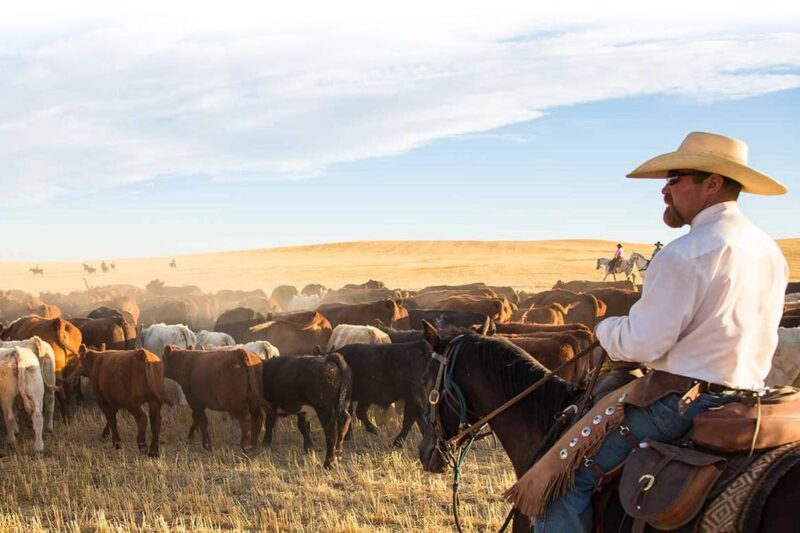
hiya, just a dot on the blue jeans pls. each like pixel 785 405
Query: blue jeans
pixel 659 421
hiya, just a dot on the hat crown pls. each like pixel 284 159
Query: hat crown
pixel 719 145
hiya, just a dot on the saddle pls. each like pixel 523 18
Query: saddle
pixel 667 485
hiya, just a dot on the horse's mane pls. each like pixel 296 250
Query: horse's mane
pixel 510 370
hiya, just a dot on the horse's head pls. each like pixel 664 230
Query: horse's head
pixel 442 411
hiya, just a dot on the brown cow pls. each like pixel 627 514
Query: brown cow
pixel 294 334
pixel 220 380
pixel 618 302
pixel 551 352
pixel 125 379
pixel 431 299
pixel 498 309
pixel 166 310
pixel 237 322
pixel 115 333
pixel 158 288
pixel 389 312
pixel 586 286
pixel 524 327
pixel 65 339
pixel 553 314
pixel 581 308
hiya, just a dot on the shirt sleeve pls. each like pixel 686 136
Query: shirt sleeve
pixel 672 293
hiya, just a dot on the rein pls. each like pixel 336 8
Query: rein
pixel 455 449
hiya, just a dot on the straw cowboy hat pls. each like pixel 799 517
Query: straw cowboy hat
pixel 712 153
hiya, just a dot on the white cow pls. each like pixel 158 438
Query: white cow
pixel 344 334
pixel 304 303
pixel 213 339
pixel 156 337
pixel 786 361
pixel 263 349
pixel 21 375
pixel 47 363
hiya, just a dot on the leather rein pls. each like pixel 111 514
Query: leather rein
pixel 446 391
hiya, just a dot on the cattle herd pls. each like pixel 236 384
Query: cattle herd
pixel 258 357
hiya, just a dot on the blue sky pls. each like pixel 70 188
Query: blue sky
pixel 123 139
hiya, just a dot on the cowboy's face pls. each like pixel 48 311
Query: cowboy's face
pixel 684 197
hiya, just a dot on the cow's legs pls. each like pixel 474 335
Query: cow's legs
pixel 305 429
pixel 8 416
pixel 329 422
pixel 245 420
pixel 141 426
pixel 49 405
pixel 62 401
pixel 37 421
pixel 410 415
pixel 269 426
pixel 363 415
pixel 111 423
pixel 256 417
pixel 199 415
pixel 155 427
pixel 343 429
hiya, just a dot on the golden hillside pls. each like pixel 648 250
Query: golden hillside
pixel 527 265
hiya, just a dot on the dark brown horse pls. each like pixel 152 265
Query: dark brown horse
pixel 488 371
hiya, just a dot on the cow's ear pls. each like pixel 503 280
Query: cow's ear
pixel 82 350
pixel 430 333
pixel 378 323
pixel 167 349
pixel 102 347
pixel 483 329
pixel 190 347
pixel 317 350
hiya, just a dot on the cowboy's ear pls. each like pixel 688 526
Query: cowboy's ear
pixel 713 184
pixel 430 333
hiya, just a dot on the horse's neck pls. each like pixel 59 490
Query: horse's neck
pixel 519 434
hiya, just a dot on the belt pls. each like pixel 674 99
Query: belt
pixel 712 388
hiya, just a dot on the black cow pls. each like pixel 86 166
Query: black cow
pixel 442 319
pixel 324 383
pixel 386 373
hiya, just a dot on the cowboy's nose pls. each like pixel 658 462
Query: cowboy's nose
pixel 665 188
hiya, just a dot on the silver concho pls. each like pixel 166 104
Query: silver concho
pixel 610 411
pixel 563 453
pixel 585 432
pixel 596 420
pixel 573 442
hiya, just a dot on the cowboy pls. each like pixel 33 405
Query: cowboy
pixel 709 310
pixel 657 249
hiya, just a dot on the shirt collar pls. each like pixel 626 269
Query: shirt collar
pixel 713 213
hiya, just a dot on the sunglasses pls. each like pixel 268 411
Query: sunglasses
pixel 674 176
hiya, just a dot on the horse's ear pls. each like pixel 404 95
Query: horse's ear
pixel 485 328
pixel 430 333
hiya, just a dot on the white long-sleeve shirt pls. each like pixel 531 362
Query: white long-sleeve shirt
pixel 710 306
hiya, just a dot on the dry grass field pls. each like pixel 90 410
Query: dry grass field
pixel 529 265
pixel 83 485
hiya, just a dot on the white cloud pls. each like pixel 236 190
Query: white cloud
pixel 93 98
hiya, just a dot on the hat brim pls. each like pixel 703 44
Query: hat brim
pixel 752 181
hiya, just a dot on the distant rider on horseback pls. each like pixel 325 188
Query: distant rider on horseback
pixel 708 314
pixel 657 249
pixel 619 257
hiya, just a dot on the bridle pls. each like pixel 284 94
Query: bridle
pixel 454 449
pixel 446 392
